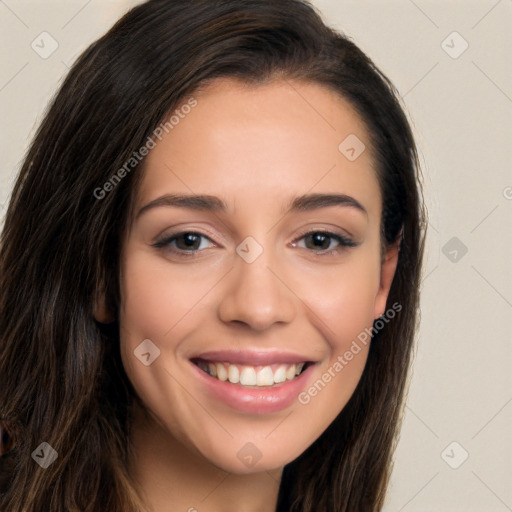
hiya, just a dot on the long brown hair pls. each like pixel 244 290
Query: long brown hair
pixel 61 377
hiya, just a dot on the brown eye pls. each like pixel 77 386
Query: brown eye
pixel 186 241
pixel 318 241
pixel 325 242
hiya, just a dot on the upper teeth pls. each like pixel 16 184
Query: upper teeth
pixel 251 375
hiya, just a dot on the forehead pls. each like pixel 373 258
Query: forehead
pixel 280 139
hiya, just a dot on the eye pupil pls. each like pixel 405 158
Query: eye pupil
pixel 189 239
pixel 320 239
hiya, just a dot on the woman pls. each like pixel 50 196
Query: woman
pixel 209 271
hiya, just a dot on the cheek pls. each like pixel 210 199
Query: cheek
pixel 161 302
pixel 347 328
pixel 151 318
pixel 343 306
pixel 157 295
pixel 344 299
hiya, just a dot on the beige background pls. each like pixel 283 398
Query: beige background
pixel 461 107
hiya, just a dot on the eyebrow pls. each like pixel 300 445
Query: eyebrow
pixel 214 204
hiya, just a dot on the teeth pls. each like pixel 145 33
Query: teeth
pixel 250 375
pixel 233 374
pixel 222 373
pixel 265 377
pixel 280 375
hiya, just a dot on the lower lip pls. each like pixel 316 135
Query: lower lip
pixel 255 401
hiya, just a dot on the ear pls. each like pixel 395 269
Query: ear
pixel 387 272
pixel 101 312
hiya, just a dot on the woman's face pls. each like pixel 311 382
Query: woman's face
pixel 241 282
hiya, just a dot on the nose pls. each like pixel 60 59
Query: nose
pixel 257 295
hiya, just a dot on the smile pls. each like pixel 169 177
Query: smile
pixel 252 376
pixel 252 381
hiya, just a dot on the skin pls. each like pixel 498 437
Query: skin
pixel 256 148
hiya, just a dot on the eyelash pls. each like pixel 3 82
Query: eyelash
pixel 343 243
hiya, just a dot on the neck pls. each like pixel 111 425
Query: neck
pixel 173 478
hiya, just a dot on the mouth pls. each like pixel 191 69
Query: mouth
pixel 253 381
pixel 252 376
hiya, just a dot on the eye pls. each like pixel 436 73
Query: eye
pixel 185 242
pixel 190 243
pixel 325 242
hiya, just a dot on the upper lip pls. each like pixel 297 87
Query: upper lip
pixel 252 357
